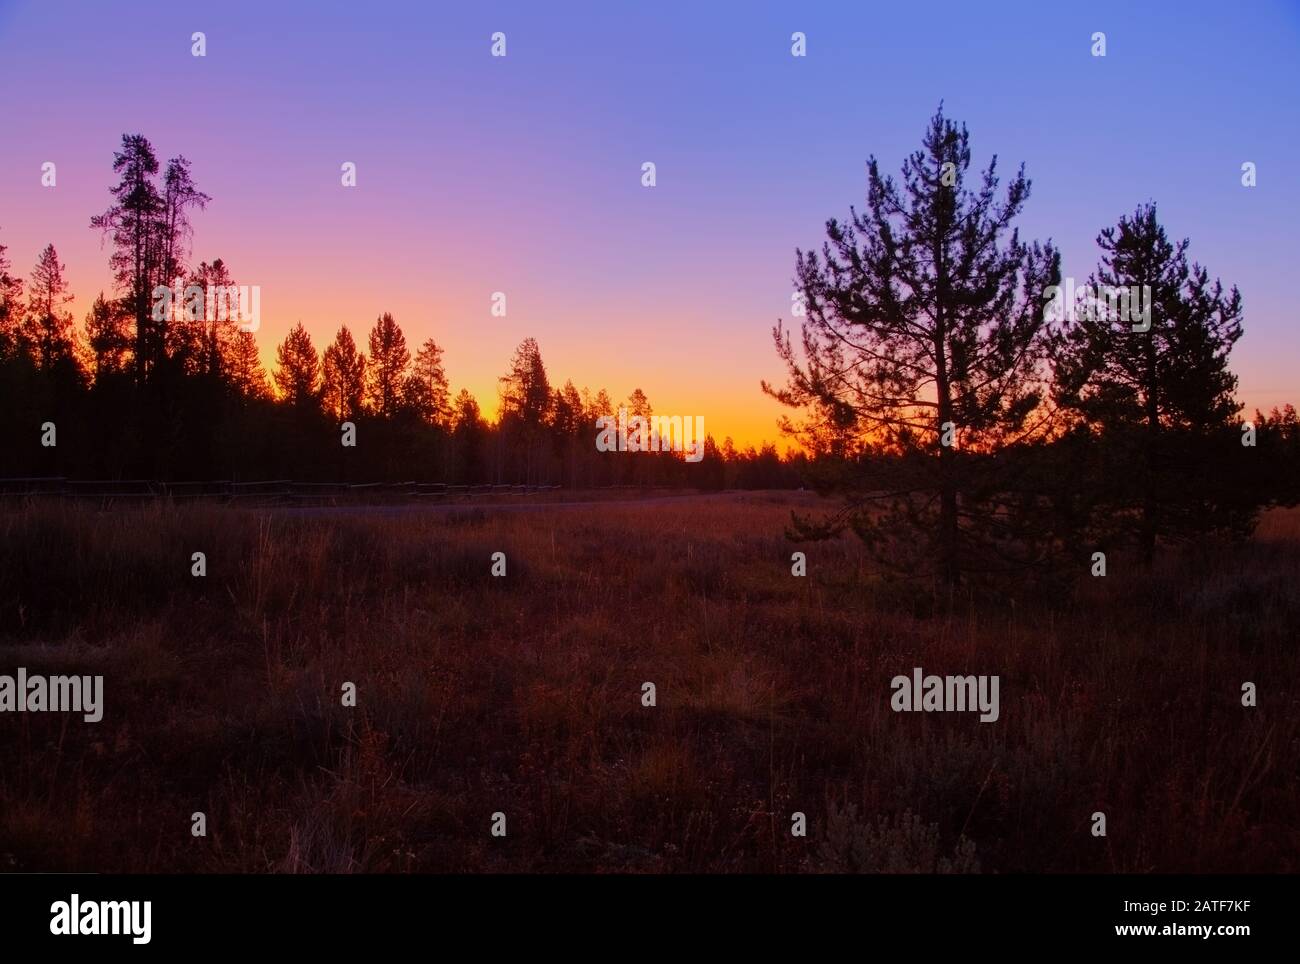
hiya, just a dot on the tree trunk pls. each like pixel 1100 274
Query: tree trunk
pixel 949 565
pixel 1150 506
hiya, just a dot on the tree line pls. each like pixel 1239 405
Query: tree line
pixel 969 429
pixel 141 393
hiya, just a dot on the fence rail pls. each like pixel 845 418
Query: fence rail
pixel 273 491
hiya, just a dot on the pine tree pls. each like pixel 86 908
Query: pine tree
pixel 243 366
pixel 11 307
pixel 425 392
pixel 638 404
pixel 567 411
pixel 343 377
pixel 386 367
pixel 468 432
pixel 297 373
pixel 599 406
pixel 209 341
pixel 923 351
pixel 1157 389
pixel 133 223
pixel 107 337
pixel 525 390
pixel 524 414
pixel 47 331
pixel 178 196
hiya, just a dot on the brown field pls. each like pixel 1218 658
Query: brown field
pixel 523 695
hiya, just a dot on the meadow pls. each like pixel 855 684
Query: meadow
pixel 522 695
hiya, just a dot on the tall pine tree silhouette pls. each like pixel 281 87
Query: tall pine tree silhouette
pixel 922 356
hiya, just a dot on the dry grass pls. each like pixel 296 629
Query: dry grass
pixel 522 695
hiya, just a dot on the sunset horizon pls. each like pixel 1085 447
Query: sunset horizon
pixel 459 461
pixel 474 175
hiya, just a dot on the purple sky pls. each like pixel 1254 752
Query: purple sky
pixel 522 174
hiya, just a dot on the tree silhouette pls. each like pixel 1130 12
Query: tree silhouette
pixel 47 330
pixel 468 435
pixel 344 377
pixel 425 392
pixel 524 415
pixel 11 308
pixel 601 405
pixel 386 366
pixel 525 390
pixel 297 373
pixel 213 339
pixel 178 196
pixel 133 223
pixel 567 411
pixel 638 404
pixel 924 335
pixel 922 312
pixel 107 337
pixel 243 366
pixel 1161 398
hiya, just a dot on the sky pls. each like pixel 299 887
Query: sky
pixel 522 174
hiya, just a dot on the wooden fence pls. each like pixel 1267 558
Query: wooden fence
pixel 272 492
